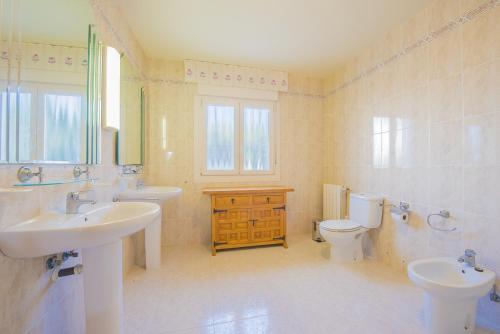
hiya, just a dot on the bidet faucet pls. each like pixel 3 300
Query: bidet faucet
pixel 469 258
pixel 73 202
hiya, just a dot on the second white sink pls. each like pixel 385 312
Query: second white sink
pixel 151 193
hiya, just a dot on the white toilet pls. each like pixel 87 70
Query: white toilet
pixel 345 235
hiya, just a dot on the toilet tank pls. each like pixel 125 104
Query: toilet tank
pixel 366 209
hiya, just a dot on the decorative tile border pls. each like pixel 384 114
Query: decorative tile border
pixel 234 75
pixel 165 81
pixel 452 25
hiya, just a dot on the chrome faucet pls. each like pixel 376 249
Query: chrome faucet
pixel 469 258
pixel 73 202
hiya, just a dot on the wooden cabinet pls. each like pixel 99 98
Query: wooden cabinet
pixel 243 217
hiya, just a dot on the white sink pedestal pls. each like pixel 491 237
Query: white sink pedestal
pixel 152 244
pixel 103 288
pixel 152 232
pixel 444 316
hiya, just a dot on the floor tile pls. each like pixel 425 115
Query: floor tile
pixel 269 290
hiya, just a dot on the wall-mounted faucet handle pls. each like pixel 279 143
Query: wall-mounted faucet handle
pixel 77 171
pixel 25 173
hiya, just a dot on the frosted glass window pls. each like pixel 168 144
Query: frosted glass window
pixel 220 127
pixel 24 107
pixel 25 129
pixel 62 127
pixel 3 127
pixel 256 139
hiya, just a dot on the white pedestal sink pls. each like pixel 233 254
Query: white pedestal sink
pixel 155 194
pixel 452 290
pixel 98 232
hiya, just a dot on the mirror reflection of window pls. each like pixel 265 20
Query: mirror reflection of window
pixel 46 117
pixel 63 125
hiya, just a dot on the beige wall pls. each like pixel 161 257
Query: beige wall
pixel 442 100
pixel 187 218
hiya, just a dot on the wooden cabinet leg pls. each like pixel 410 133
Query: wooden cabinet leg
pixel 285 244
pixel 214 251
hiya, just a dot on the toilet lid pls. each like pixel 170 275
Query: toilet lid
pixel 342 225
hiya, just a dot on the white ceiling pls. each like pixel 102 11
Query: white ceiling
pixel 304 36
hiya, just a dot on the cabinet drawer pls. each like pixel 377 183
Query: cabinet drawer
pixel 268 199
pixel 230 201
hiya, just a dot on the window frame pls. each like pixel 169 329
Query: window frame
pixel 201 174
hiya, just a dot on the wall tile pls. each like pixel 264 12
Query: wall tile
pixel 482 88
pixel 446 143
pixel 481 190
pixel 481 138
pixel 480 38
pixel 441 12
pixel 446 187
pixel 445 55
pixel 445 99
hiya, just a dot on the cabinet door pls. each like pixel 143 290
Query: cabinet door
pixel 232 226
pixel 267 224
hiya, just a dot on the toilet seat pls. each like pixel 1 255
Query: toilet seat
pixel 341 225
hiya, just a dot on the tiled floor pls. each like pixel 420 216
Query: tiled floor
pixel 269 290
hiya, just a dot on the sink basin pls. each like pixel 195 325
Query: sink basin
pixel 55 232
pixel 150 193
pixel 452 290
pixel 448 278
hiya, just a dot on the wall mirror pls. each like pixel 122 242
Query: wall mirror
pixel 49 81
pixel 130 140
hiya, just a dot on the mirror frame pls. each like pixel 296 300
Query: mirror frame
pixel 143 132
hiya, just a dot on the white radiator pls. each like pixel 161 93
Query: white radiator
pixel 334 201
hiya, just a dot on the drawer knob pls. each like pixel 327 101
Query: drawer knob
pixel 268 200
pixel 232 200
